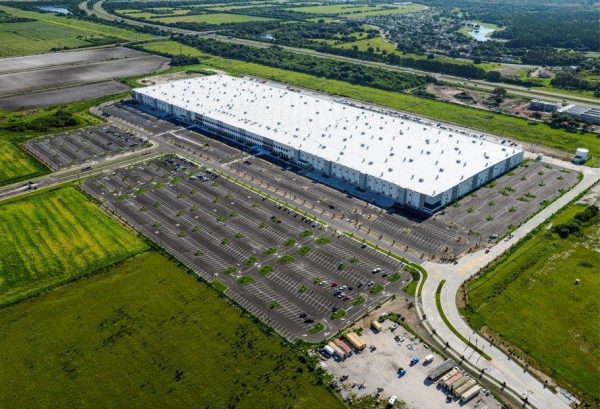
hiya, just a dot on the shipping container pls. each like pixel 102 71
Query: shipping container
pixel 449 382
pixel 356 341
pixel 470 394
pixel 457 384
pixel 376 326
pixel 465 387
pixel 450 374
pixel 337 350
pixel 343 346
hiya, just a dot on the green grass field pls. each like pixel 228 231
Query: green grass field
pixel 145 334
pixel 530 298
pixel 51 237
pixel 498 124
pixel 215 18
pixel 51 31
pixel 358 11
pixel 17 164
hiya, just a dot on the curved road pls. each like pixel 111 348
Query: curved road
pixel 99 11
pixel 500 367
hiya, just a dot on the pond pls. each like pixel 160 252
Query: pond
pixel 55 9
pixel 481 33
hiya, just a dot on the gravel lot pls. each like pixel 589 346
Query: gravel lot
pixel 379 369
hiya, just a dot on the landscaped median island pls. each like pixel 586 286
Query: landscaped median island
pixel 144 334
pixel 539 301
pixel 415 287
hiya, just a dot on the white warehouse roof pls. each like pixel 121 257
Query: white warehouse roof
pixel 411 155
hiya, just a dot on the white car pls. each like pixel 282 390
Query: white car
pixel 392 400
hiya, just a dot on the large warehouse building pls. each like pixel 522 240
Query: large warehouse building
pixel 420 166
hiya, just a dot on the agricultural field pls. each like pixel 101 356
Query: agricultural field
pixel 53 32
pixel 529 298
pixel 358 11
pixel 52 237
pixel 485 121
pixel 146 334
pixel 214 18
pixel 16 164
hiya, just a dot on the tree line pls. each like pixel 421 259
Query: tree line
pixel 322 67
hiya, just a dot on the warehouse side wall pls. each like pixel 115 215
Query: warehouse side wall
pixel 402 196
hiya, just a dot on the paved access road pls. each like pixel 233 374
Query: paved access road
pixel 500 367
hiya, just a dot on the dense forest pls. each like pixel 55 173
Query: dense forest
pixel 545 23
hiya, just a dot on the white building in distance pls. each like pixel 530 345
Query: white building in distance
pixel 423 167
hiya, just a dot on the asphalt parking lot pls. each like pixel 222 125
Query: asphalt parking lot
pixel 369 370
pixel 83 145
pixel 495 209
pixel 288 270
pixel 470 223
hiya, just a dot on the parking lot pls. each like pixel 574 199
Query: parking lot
pixel 492 210
pixel 470 223
pixel 83 145
pixel 377 371
pixel 301 278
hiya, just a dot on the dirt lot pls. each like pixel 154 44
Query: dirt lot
pixel 61 96
pixel 379 369
pixel 66 58
pixel 56 77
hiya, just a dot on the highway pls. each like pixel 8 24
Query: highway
pixel 516 90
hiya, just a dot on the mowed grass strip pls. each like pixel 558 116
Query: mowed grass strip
pixel 530 298
pixel 50 238
pixel 145 334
